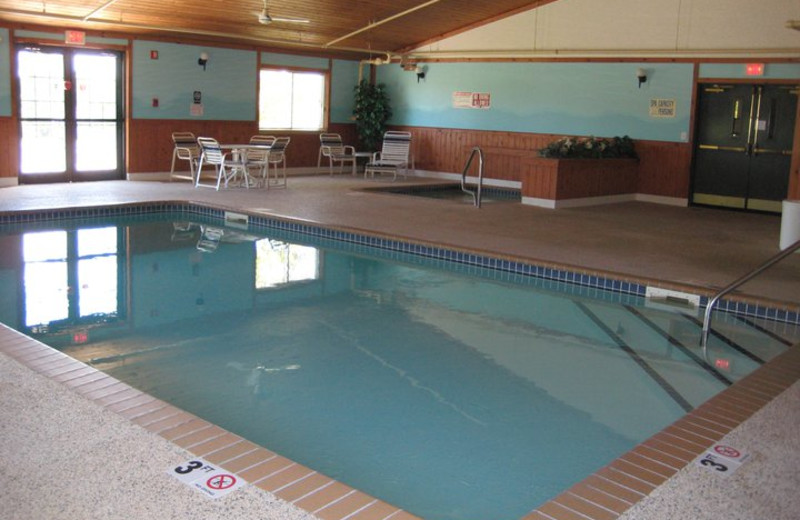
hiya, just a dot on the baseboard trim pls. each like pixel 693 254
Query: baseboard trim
pixel 609 199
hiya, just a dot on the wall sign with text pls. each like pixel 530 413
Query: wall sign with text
pixel 662 108
pixel 479 100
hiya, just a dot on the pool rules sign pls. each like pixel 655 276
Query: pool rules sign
pixel 203 476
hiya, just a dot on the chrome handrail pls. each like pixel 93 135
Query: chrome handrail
pixel 476 195
pixel 749 276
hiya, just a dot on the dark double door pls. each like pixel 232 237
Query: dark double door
pixel 743 145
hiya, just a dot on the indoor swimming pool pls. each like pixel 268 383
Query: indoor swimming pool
pixel 453 391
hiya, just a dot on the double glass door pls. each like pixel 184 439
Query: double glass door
pixel 71 115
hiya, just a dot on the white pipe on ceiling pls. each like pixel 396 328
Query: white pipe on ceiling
pixel 99 9
pixel 372 25
pixel 376 61
pixel 603 53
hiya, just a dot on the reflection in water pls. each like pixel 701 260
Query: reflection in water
pixel 279 263
pixel 70 275
pixel 253 380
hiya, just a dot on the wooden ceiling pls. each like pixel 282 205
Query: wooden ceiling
pixel 334 26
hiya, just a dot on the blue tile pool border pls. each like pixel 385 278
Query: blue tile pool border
pixel 520 268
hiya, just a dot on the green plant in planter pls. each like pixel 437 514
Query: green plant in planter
pixel 590 148
pixel 371 112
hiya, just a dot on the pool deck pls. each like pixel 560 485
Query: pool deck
pixel 65 456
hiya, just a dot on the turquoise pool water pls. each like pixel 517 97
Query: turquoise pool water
pixel 453 392
pixel 453 192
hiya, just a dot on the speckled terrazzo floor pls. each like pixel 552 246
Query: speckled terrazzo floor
pixel 44 423
pixel 64 457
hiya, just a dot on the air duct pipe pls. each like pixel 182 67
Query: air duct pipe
pixel 374 61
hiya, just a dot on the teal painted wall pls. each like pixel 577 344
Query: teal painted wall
pixel 5 74
pixel 344 77
pixel 561 98
pixel 290 60
pixel 228 85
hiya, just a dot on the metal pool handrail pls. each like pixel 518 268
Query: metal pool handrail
pixel 749 276
pixel 476 195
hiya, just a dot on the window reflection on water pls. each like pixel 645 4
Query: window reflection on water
pixel 73 280
pixel 279 263
pixel 70 275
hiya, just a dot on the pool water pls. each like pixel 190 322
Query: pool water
pixel 453 192
pixel 452 395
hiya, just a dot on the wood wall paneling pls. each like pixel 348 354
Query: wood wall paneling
pixel 664 167
pixel 9 147
pixel 560 179
pixel 151 141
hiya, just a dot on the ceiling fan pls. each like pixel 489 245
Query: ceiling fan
pixel 264 17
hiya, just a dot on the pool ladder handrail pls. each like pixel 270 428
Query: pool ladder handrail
pixel 733 285
pixel 476 195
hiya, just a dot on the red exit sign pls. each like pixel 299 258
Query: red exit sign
pixel 75 37
pixel 754 69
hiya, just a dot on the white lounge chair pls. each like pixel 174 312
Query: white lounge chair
pixel 257 158
pixel 277 157
pixel 185 149
pixel 393 157
pixel 331 146
pixel 227 165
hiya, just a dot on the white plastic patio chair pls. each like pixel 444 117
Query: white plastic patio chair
pixel 331 146
pixel 227 165
pixel 257 158
pixel 393 157
pixel 185 149
pixel 276 158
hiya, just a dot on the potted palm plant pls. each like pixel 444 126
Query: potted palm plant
pixel 371 112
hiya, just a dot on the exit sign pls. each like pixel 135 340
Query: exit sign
pixel 754 69
pixel 75 37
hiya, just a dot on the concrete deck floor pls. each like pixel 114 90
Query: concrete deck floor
pixel 66 459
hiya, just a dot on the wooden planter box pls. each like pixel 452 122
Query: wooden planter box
pixel 545 182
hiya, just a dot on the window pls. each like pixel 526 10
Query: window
pixel 291 100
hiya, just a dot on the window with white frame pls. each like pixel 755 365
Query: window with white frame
pixel 291 100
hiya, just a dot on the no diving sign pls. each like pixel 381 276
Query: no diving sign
pixel 722 459
pixel 206 478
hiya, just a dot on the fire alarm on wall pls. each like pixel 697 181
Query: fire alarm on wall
pixel 153 55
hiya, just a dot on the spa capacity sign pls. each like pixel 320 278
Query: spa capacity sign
pixel 662 108
pixel 479 100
